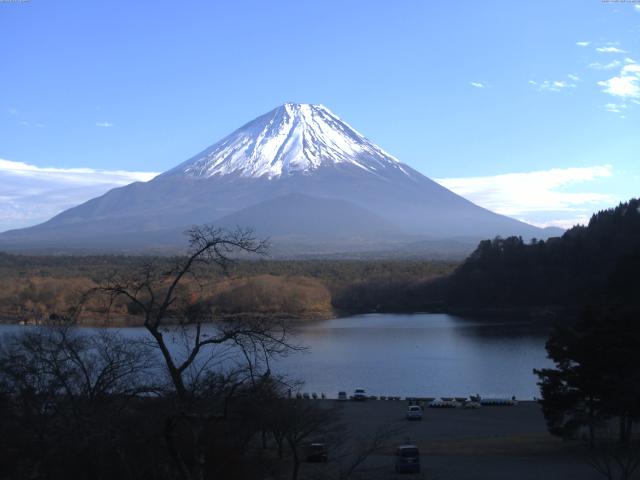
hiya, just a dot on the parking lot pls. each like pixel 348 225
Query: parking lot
pixel 499 442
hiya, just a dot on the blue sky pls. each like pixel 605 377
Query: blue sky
pixel 528 108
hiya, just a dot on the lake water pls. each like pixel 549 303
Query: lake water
pixel 421 355
pixel 413 355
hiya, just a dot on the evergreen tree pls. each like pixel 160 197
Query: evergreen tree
pixel 597 375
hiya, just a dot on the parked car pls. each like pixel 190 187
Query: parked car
pixel 407 459
pixel 359 394
pixel 317 452
pixel 342 396
pixel 499 401
pixel 442 403
pixel 414 412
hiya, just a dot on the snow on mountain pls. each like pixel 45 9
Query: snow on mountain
pixel 291 139
pixel 297 174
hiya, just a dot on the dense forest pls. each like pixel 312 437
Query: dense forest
pixel 591 265
pixel 32 288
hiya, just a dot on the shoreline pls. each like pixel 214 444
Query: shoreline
pixel 138 321
pixel 542 314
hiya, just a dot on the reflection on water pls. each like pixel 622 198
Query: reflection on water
pixel 419 354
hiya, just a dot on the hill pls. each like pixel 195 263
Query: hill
pixel 592 265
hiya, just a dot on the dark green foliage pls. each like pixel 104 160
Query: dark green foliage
pixel 597 374
pixel 593 265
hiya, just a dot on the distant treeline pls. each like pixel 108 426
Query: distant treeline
pixel 587 266
pixel 594 265
pixel 36 287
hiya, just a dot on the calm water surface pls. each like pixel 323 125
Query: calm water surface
pixel 420 354
pixel 417 354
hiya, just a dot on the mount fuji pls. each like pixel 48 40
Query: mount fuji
pixel 298 174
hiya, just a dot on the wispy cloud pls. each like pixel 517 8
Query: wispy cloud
pixel 104 124
pixel 615 107
pixel 537 197
pixel 583 44
pixel 605 66
pixel 555 85
pixel 31 194
pixel 610 50
pixel 477 84
pixel 637 8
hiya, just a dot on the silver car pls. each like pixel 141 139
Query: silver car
pixel 414 412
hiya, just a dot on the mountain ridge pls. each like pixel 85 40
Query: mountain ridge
pixel 293 149
pixel 292 138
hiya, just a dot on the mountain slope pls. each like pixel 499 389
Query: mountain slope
pixel 310 218
pixel 292 139
pixel 294 149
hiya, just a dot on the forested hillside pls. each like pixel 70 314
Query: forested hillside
pixel 593 265
pixel 32 288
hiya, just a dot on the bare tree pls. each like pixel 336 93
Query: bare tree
pixel 298 421
pixel 63 388
pixel 177 326
pixel 363 447
pixel 161 297
pixel 613 460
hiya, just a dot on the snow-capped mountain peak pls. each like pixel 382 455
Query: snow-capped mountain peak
pixel 291 139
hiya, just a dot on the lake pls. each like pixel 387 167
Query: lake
pixel 421 355
pixel 413 355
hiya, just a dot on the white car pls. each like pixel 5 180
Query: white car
pixel 359 394
pixel 342 396
pixel 414 412
pixel 440 403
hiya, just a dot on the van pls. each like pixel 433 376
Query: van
pixel 317 452
pixel 407 459
pixel 359 394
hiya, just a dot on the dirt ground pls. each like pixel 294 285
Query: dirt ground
pixel 497 443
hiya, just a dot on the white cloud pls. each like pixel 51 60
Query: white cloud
pixel 583 44
pixel 622 86
pixel 104 124
pixel 555 85
pixel 615 107
pixel 537 197
pixel 625 86
pixel 637 7
pixel 632 68
pixel 605 66
pixel 31 194
pixel 610 50
pixel 477 84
